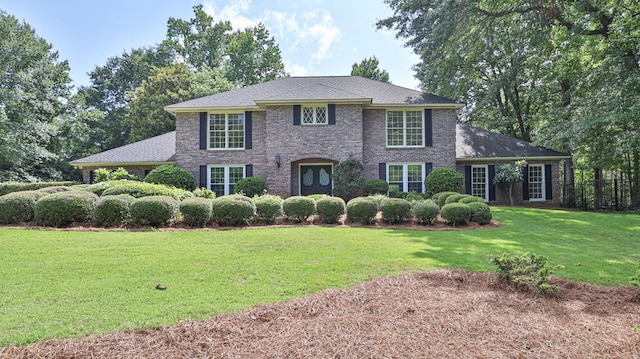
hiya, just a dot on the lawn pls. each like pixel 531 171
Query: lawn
pixel 70 283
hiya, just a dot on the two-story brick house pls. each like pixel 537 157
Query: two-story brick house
pixel 292 131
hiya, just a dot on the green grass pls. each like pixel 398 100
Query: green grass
pixel 58 284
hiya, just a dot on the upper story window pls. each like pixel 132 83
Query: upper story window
pixel 226 131
pixel 405 128
pixel 314 115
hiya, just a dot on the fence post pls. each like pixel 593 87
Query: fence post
pixel 615 192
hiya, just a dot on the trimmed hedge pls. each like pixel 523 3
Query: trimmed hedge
pixel 172 176
pixel 376 186
pixel 362 210
pixel 268 207
pixel 63 208
pixel 234 210
pixel 395 210
pixel 143 189
pixel 153 210
pixel 18 207
pixel 425 211
pixel 250 186
pixel 480 212
pixel 441 197
pixel 443 179
pixel 10 187
pixel 455 198
pixel 299 208
pixel 330 209
pixel 112 210
pixel 455 213
pixel 470 199
pixel 196 212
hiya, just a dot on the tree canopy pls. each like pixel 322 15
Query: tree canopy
pixel 369 68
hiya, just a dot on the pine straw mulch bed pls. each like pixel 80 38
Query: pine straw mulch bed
pixel 439 314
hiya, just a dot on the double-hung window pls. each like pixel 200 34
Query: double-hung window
pixel 226 131
pixel 536 183
pixel 405 128
pixel 314 115
pixel 405 177
pixel 479 182
pixel 223 178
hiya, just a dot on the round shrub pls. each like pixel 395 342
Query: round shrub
pixel 425 211
pixel 470 199
pixel 232 210
pixel 204 193
pixel 142 189
pixel 63 208
pixel 441 197
pixel 362 210
pixel 443 179
pixel 196 212
pixel 330 209
pixel 250 186
pixel 455 213
pixel 299 208
pixel 376 186
pixel 55 189
pixel 18 207
pixel 112 210
pixel 153 210
pixel 410 196
pixel 171 176
pixel 268 207
pixel 395 210
pixel 378 198
pixel 480 212
pixel 455 198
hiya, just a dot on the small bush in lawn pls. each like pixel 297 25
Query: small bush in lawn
pixel 196 212
pixel 480 212
pixel 330 209
pixel 527 272
pixel 204 193
pixel 142 189
pixel 378 198
pixel 172 176
pixel 112 210
pixel 153 210
pixel 376 186
pixel 63 208
pixel 233 210
pixel 268 207
pixel 425 211
pixel 470 199
pixel 395 210
pixel 455 198
pixel 455 213
pixel 18 207
pixel 441 197
pixel 362 210
pixel 250 186
pixel 443 179
pixel 299 208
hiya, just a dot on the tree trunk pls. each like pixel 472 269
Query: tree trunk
pixel 511 194
pixel 634 180
pixel 597 189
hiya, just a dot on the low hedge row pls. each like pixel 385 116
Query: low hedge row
pixel 61 209
pixel 10 187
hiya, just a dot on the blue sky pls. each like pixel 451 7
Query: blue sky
pixel 316 37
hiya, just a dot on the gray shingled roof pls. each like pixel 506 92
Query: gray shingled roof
pixel 315 88
pixel 473 142
pixel 152 150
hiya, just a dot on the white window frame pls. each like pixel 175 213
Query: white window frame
pixel 405 174
pixel 226 131
pixel 541 183
pixel 314 108
pixel 404 127
pixel 227 184
pixel 485 196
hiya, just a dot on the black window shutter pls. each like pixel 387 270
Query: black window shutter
pixel 428 166
pixel 525 183
pixel 204 128
pixel 203 177
pixel 548 189
pixel 332 114
pixel 467 179
pixel 248 170
pixel 492 186
pixel 248 130
pixel 428 130
pixel 297 114
pixel 382 171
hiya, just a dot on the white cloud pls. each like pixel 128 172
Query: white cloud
pixel 295 69
pixel 233 12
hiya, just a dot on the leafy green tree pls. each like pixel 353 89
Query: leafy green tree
pixel 369 68
pixel 509 174
pixel 348 179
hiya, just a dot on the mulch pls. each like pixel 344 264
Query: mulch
pixel 438 314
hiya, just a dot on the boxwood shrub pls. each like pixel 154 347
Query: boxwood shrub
pixel 330 209
pixel 196 212
pixel 171 176
pixel 425 211
pixel 443 179
pixel 18 207
pixel 153 210
pixel 469 199
pixel 362 210
pixel 233 210
pixel 455 198
pixel 250 186
pixel 480 212
pixel 112 210
pixel 455 213
pixel 142 189
pixel 441 197
pixel 299 208
pixel 376 186
pixel 55 189
pixel 268 207
pixel 63 208
pixel 9 187
pixel 395 210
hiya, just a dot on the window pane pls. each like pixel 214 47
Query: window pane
pixel 235 174
pixel 414 173
pixel 414 128
pixel 217 131
pixel 321 115
pixel 479 181
pixel 395 135
pixel 307 115
pixel 535 182
pixel 395 178
pixel 217 180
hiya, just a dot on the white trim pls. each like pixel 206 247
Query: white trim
pixel 226 131
pixel 405 173
pixel 404 127
pixel 315 118
pixel 543 193
pixel 312 164
pixel 486 180
pixel 226 175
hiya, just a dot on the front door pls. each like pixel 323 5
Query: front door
pixel 315 179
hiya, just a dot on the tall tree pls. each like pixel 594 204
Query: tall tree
pixel 369 68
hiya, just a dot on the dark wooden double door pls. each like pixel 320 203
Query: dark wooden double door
pixel 315 179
